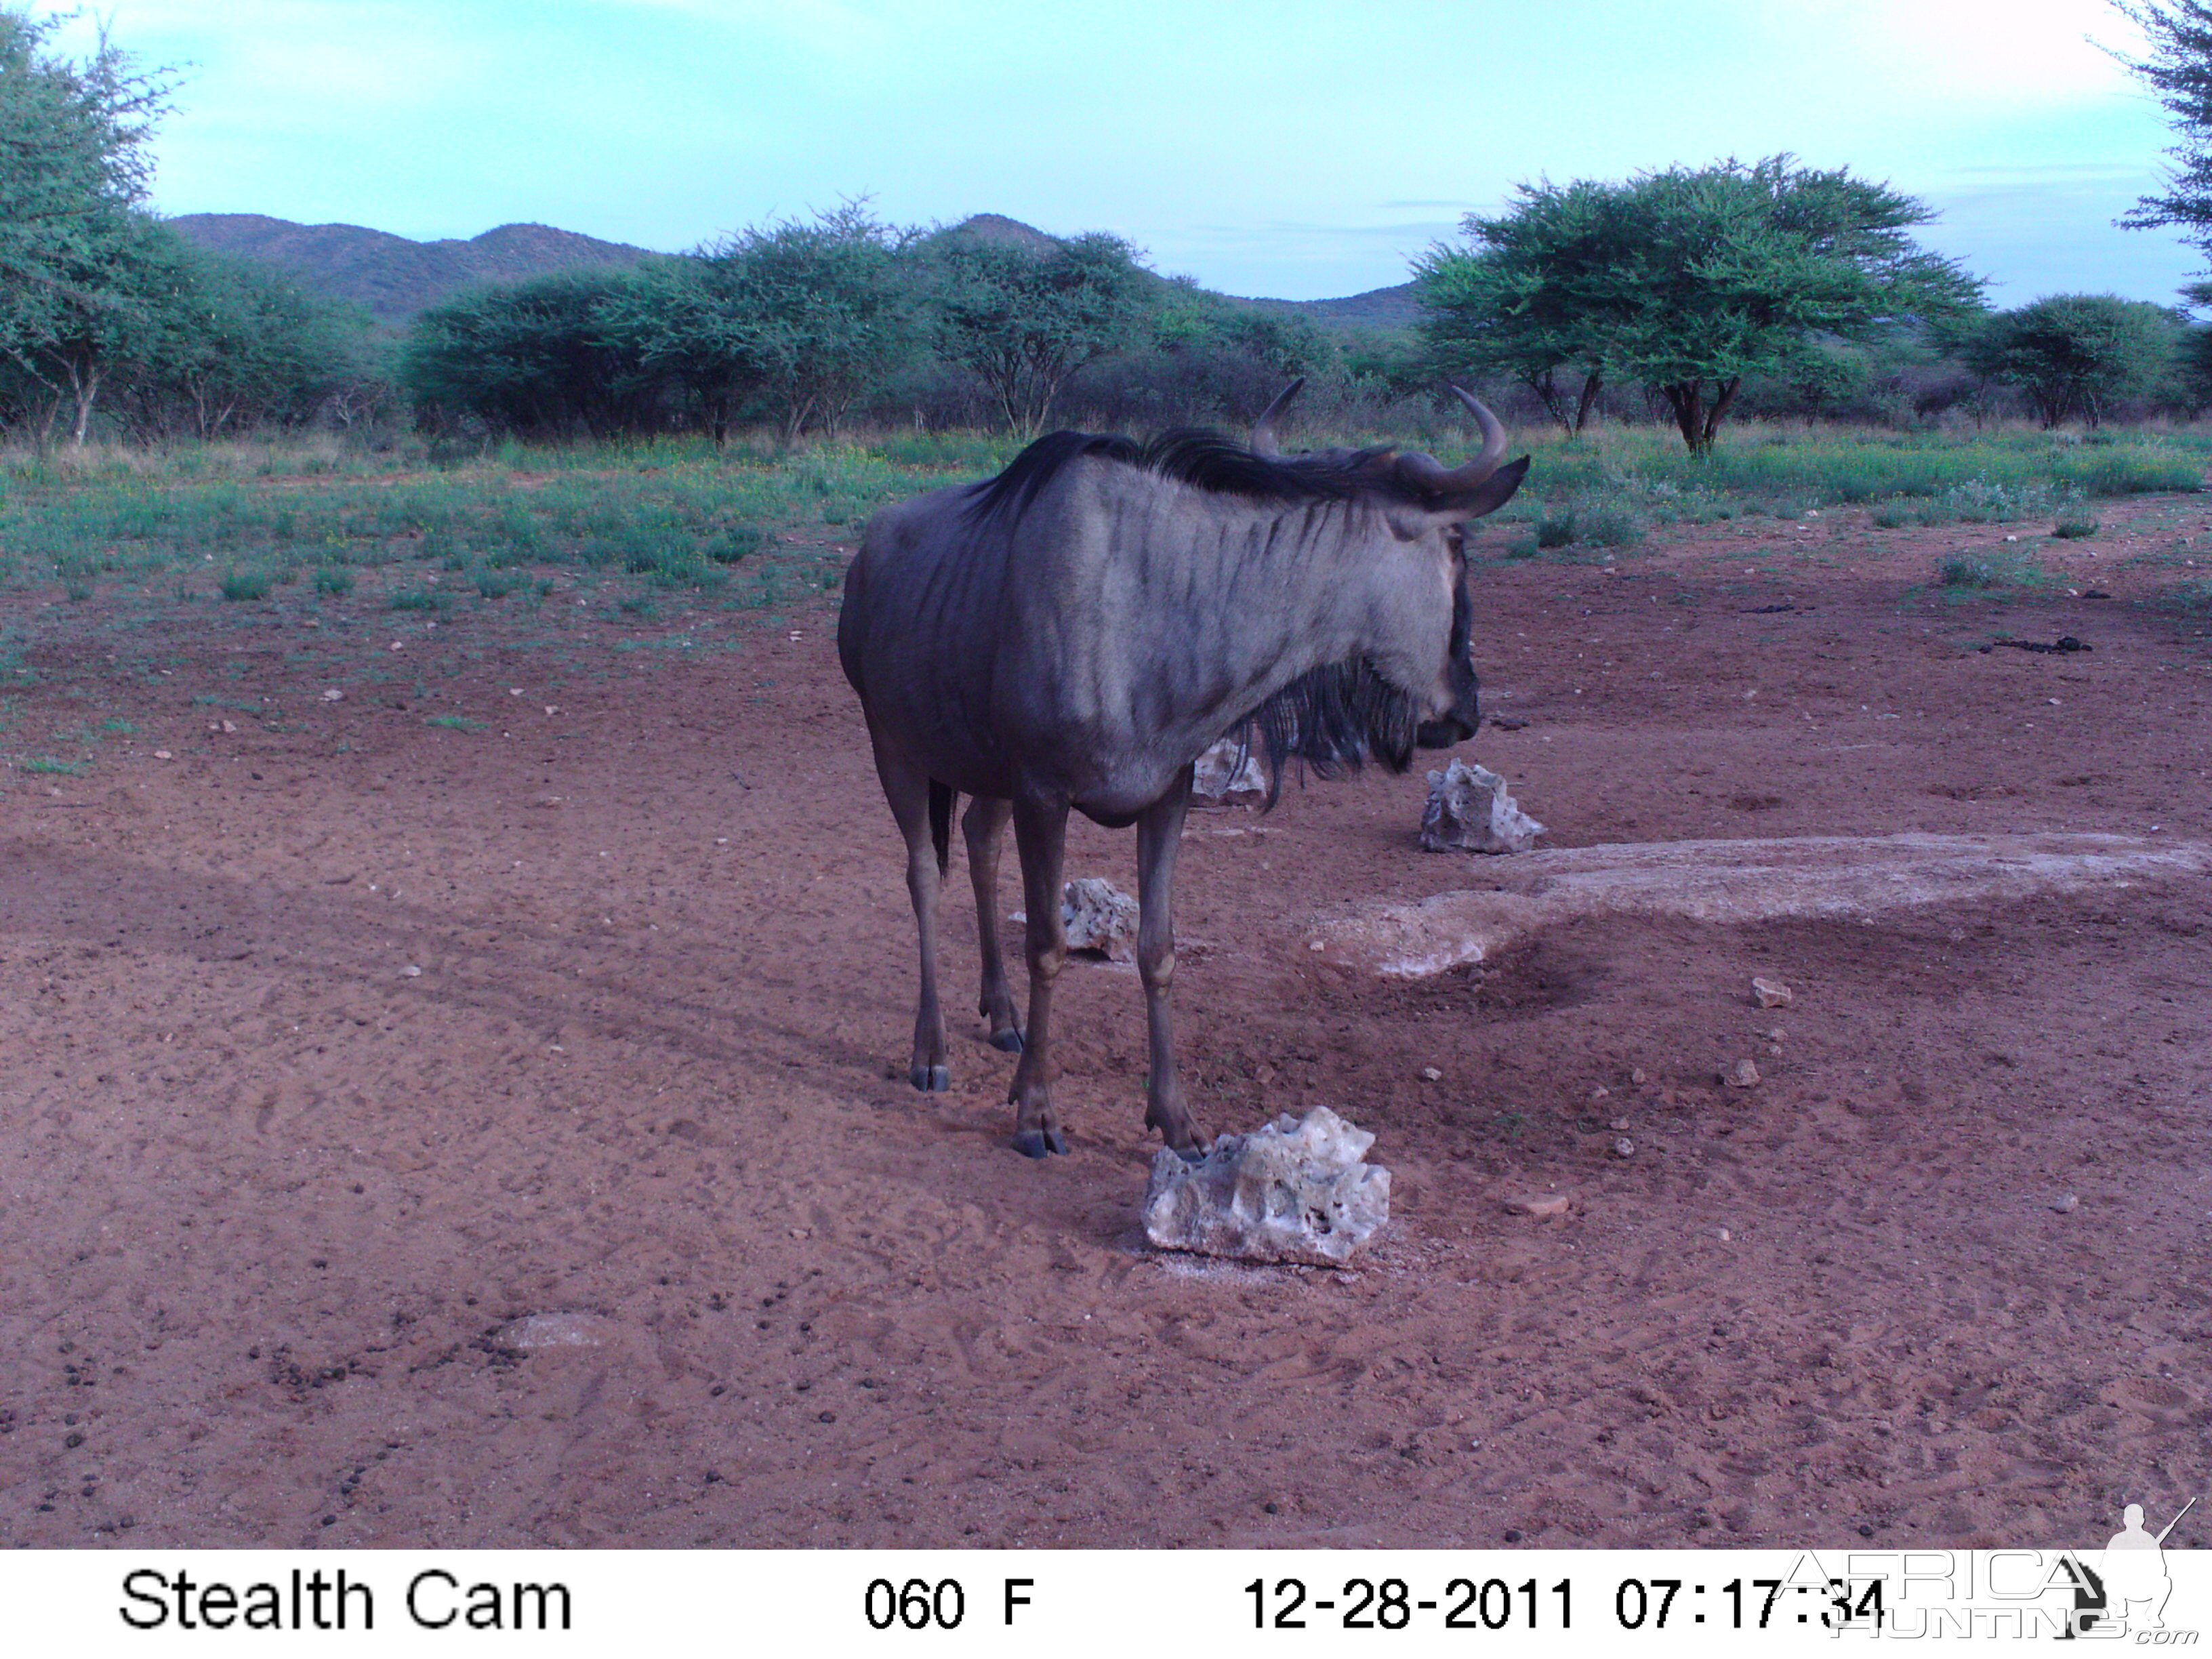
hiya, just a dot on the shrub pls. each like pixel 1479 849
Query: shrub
pixel 1991 569
pixel 333 579
pixel 245 584
pixel 2074 526
pixel 1608 526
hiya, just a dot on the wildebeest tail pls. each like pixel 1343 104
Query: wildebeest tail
pixel 941 796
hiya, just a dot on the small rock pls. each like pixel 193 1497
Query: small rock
pixel 1770 994
pixel 1619 1123
pixel 554 1330
pixel 1774 1050
pixel 1638 1077
pixel 163 754
pixel 1099 916
pixel 1599 1092
pixel 229 729
pixel 1430 1074
pixel 1743 1075
pixel 334 696
pixel 1546 1207
pixel 1723 1235
pixel 1468 810
pixel 410 971
pixel 1624 1147
pixel 2067 1205
pixel 1294 1191
pixel 1230 773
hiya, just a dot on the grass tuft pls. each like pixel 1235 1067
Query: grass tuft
pixel 245 584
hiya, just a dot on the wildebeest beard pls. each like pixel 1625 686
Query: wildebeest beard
pixel 1332 718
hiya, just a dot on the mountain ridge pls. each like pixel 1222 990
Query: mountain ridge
pixel 393 277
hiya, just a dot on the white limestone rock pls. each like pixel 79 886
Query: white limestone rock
pixel 1099 916
pixel 1294 1191
pixel 555 1330
pixel 1469 811
pixel 1230 773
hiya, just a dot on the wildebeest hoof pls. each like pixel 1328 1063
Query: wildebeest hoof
pixel 929 1080
pixel 1193 1153
pixel 1008 1042
pixel 1039 1143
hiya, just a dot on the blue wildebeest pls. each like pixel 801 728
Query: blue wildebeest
pixel 1076 631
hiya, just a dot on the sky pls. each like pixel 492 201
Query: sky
pixel 1265 147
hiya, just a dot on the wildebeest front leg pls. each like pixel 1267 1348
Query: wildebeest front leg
pixel 1039 836
pixel 1159 834
pixel 906 786
pixel 981 825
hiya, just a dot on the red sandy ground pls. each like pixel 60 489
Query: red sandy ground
pixel 265 1197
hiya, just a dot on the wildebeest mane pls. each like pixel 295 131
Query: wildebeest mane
pixel 1334 719
pixel 1205 460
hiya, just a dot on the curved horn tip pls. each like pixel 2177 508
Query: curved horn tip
pixel 1263 430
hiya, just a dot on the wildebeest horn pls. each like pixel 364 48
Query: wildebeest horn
pixel 1263 430
pixel 1432 475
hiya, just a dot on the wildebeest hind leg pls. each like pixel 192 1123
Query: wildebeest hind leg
pixel 906 786
pixel 1039 836
pixel 1159 833
pixel 982 824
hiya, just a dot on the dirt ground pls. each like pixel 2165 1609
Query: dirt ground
pixel 338 1039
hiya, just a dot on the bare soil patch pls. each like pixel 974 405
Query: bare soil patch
pixel 563 967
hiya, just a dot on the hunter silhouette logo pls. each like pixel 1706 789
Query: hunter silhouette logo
pixel 2127 1590
pixel 2135 1570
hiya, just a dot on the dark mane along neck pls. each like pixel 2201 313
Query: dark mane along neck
pixel 1204 460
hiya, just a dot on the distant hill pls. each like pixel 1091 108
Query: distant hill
pixel 389 276
pixel 1379 307
pixel 394 278
pixel 997 228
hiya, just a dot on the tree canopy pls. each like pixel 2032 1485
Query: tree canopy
pixel 1023 320
pixel 2077 354
pixel 74 245
pixel 1683 281
pixel 2179 70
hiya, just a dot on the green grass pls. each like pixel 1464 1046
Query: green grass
pixel 48 764
pixel 245 584
pixel 456 723
pixel 750 530
pixel 1992 569
pixel 1920 476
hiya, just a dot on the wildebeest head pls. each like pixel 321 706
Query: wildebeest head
pixel 1431 686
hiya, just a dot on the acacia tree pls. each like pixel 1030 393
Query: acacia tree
pixel 2077 353
pixel 1023 320
pixel 800 317
pixel 1520 301
pixel 535 356
pixel 1684 281
pixel 2178 70
pixel 74 247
